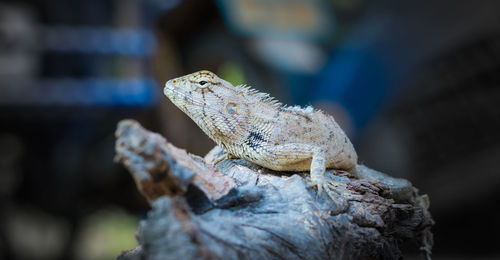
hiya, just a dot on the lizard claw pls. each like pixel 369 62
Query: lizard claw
pixel 220 159
pixel 223 157
pixel 323 184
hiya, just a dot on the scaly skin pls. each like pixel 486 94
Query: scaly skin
pixel 253 126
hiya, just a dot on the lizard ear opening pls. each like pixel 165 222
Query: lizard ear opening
pixel 232 108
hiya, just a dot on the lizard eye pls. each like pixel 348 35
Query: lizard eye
pixel 232 108
pixel 202 82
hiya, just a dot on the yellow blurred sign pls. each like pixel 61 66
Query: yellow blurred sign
pixel 310 19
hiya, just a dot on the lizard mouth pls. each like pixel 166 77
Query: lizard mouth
pixel 178 97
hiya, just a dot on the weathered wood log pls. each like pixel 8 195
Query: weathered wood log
pixel 239 210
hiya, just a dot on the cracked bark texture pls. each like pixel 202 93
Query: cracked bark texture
pixel 239 210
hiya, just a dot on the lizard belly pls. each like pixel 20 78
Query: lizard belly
pixel 304 165
pixel 340 162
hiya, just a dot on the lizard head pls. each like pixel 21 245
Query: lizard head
pixel 214 104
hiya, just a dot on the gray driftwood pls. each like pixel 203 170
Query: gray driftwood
pixel 239 210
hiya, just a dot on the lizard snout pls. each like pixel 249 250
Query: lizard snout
pixel 168 87
pixel 170 82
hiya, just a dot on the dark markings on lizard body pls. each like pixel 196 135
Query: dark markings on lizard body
pixel 308 119
pixel 255 141
pixel 331 135
pixel 257 137
pixel 204 105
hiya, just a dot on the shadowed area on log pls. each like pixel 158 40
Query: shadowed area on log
pixel 239 210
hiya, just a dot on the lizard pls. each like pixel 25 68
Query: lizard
pixel 252 125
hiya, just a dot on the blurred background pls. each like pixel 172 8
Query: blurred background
pixel 415 85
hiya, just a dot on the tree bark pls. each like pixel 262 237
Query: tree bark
pixel 239 210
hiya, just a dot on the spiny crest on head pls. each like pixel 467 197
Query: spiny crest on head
pixel 260 96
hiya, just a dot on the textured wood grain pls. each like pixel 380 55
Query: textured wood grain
pixel 239 210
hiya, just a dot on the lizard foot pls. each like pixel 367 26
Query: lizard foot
pixel 324 184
